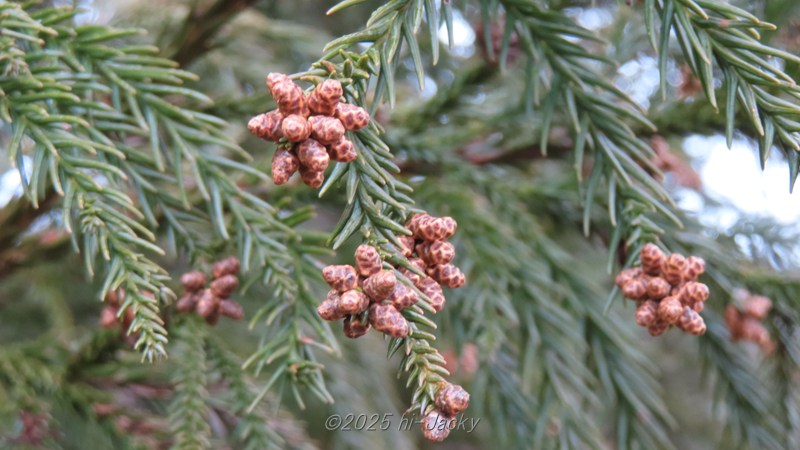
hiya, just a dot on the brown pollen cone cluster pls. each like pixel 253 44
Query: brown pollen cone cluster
pixel 310 127
pixel 666 291
pixel 214 300
pixel 747 322
pixel 450 401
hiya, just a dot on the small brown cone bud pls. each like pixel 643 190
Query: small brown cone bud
pixel 380 285
pixel 231 309
pixel 311 178
pixel 295 128
pixel 267 126
pixel 753 330
pixel 635 289
pixel 436 426
pixel 672 269
pixel 691 322
pixel 436 229
pixel 284 165
pixel 407 245
pixel 388 320
pixel 441 252
pixel 208 304
pixel 403 297
pixel 670 310
pixel 652 258
pixel 329 91
pixel 352 117
pixel 694 268
pixel 313 155
pixel 368 260
pixel 354 327
pixel 224 286
pixel 187 303
pixel 734 319
pixel 657 328
pixel 273 79
pixel 113 298
pixel 193 281
pixel 433 291
pixel 414 222
pixel 326 129
pixel 352 302
pixel 413 277
pixel 318 106
pixel 627 275
pixel 227 266
pixel 108 317
pixel 694 292
pixel 757 306
pixel 448 275
pixel 342 150
pixel 698 307
pixel 452 400
pixel 658 288
pixel 646 313
pixel 341 278
pixel 328 308
pixel 290 98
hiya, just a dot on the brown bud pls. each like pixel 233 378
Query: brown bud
pixel 341 278
pixel 694 268
pixel 326 129
pixel 414 222
pixel 380 285
pixel 657 328
pixel 108 317
pixel 403 297
pixel 433 291
pixel 407 245
pixel 652 258
pixel 342 150
pixel 626 275
pixel 274 78
pixel 187 303
pixel 670 310
pixel 311 178
pixel 352 302
pixel 698 307
pixel 208 304
pixel 734 320
pixel 452 400
pixel 114 298
pixel 329 91
pixel 635 289
pixel 318 106
pixel 295 128
pixel 231 309
pixel 284 165
pixel 352 117
pixel 193 281
pixel 691 322
pixel 313 155
pixel 224 286
pixel 413 277
pixel 388 320
pixel 658 288
pixel 436 426
pixel 328 308
pixel 757 306
pixel 646 313
pixel 354 327
pixel 672 268
pixel 694 292
pixel 368 260
pixel 290 98
pixel 448 275
pixel 227 266
pixel 436 229
pixel 267 126
pixel 441 252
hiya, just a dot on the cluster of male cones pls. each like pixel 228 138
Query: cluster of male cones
pixel 746 323
pixel 666 291
pixel 450 400
pixel 213 301
pixel 310 128
pixel 371 289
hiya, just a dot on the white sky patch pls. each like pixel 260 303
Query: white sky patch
pixel 463 36
pixel 591 18
pixel 11 183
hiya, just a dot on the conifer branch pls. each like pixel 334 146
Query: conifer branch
pixel 188 410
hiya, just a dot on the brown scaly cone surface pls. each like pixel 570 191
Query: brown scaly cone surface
pixel 746 322
pixel 212 301
pixel 309 128
pixel 666 291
